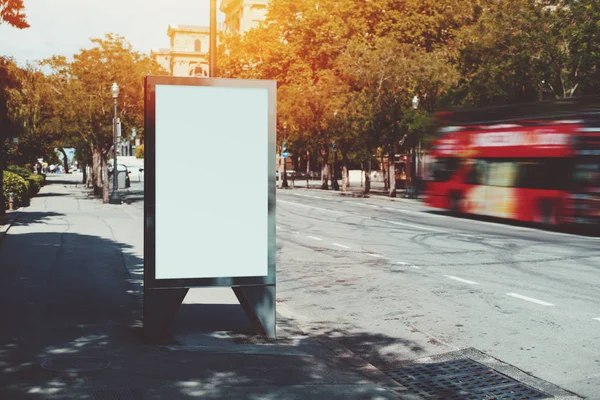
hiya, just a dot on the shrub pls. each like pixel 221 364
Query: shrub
pixel 23 172
pixel 36 181
pixel 139 151
pixel 18 186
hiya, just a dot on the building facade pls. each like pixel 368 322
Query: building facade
pixel 243 15
pixel 188 53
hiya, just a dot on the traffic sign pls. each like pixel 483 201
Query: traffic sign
pixel 285 154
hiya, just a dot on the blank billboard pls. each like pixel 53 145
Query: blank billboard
pixel 212 171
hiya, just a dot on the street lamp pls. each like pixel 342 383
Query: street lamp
pixel 114 197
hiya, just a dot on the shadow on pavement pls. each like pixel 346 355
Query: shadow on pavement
pixel 68 300
pixel 34 217
pixel 51 194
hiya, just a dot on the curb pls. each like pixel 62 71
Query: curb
pixel 10 218
pixel 376 375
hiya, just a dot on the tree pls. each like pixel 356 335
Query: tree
pixel 86 100
pixel 12 13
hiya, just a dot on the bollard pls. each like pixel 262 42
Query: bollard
pixel 11 201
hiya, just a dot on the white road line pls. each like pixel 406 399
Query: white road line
pixel 320 209
pixel 314 238
pixel 411 226
pixel 374 255
pixel 374 206
pixel 536 301
pixel 340 245
pixel 410 265
pixel 358 216
pixel 310 197
pixel 461 280
pixel 597 319
pixel 295 232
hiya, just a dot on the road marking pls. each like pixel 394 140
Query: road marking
pixel 374 206
pixel 314 237
pixel 389 208
pixel 597 319
pixel 358 216
pixel 295 232
pixel 320 209
pixel 277 226
pixel 456 278
pixel 340 245
pixel 536 301
pixel 310 197
pixel 411 226
pixel 410 265
pixel 375 255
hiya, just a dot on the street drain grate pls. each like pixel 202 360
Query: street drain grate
pixel 118 394
pixel 462 379
pixel 75 364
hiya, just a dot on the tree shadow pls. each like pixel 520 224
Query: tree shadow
pixel 51 194
pixel 68 299
pixel 34 217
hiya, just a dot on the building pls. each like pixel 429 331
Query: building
pixel 243 15
pixel 188 54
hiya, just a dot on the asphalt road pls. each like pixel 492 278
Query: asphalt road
pixel 420 283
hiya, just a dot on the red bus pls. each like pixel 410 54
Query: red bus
pixel 544 169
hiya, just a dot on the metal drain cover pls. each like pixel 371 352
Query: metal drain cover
pixel 462 379
pixel 75 364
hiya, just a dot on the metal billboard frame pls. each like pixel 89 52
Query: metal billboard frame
pixel 163 297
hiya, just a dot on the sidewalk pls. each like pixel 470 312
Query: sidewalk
pixel 71 274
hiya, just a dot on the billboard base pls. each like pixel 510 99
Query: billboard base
pixel 258 303
pixel 162 305
pixel 160 309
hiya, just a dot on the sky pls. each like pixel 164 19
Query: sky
pixel 63 27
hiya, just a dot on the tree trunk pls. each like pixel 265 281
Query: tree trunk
pixel 392 172
pixel 307 168
pixel 84 170
pixel 367 177
pixel 65 160
pixel 324 171
pixel 344 171
pixel 96 170
pixel 105 182
pixel 385 174
pixel 334 175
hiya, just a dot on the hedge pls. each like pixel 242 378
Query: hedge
pixel 12 182
pixel 139 151
pixel 21 171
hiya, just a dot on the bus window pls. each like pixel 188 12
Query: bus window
pixel 502 173
pixel 444 168
pixel 478 173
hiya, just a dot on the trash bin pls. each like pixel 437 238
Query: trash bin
pixel 123 181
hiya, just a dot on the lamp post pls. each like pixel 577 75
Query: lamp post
pixel 114 196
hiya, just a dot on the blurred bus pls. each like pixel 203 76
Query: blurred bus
pixel 535 163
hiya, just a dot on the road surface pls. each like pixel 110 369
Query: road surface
pixel 418 283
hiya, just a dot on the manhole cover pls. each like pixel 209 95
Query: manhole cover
pixel 75 364
pixel 118 394
pixel 462 379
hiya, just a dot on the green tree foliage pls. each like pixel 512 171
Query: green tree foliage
pixel 86 103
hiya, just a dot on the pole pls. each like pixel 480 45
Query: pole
pixel 284 182
pixel 114 197
pixel 213 39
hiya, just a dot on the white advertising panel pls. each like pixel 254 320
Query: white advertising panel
pixel 211 182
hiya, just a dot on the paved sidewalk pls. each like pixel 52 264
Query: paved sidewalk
pixel 71 273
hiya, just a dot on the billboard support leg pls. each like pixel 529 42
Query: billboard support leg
pixel 160 309
pixel 258 303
